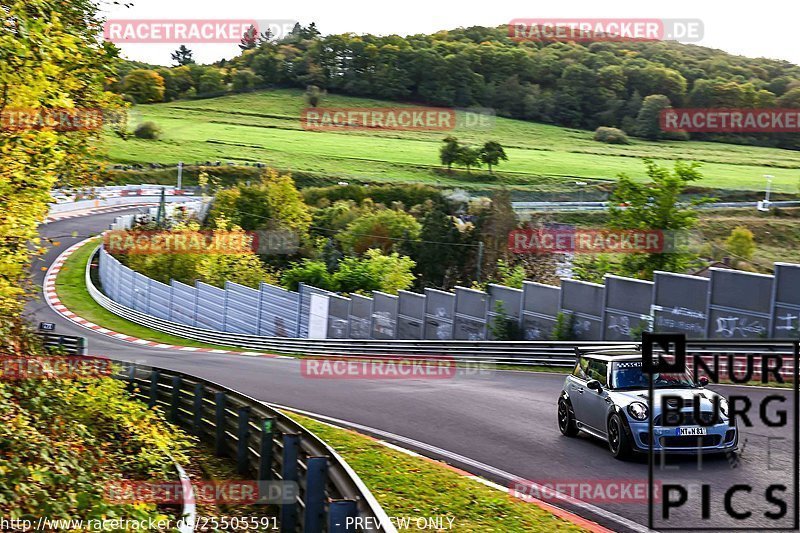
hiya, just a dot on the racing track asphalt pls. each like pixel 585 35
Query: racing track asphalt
pixel 506 419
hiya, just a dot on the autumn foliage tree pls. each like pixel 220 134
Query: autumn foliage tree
pixel 144 86
pixel 656 206
pixel 274 203
pixel 52 56
pixel 240 266
pixel 384 229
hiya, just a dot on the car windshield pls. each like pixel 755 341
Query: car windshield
pixel 629 375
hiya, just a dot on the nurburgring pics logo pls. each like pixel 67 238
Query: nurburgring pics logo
pixel 395 118
pixel 607 29
pixel 183 31
pixel 768 416
pixel 723 120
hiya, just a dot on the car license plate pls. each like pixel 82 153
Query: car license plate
pixel 691 431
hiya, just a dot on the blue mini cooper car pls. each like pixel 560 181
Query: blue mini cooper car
pixel 606 396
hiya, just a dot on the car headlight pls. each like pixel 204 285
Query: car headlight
pixel 638 410
pixel 723 405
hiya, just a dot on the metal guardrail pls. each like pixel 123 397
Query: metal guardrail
pixel 65 207
pixel 530 353
pixel 68 344
pixel 525 207
pixel 267 444
pixel 554 353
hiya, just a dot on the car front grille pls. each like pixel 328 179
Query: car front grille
pixel 690 442
pixel 707 418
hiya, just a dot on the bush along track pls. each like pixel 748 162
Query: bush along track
pixel 63 441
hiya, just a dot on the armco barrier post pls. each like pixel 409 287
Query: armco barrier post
pixel 81 348
pixel 242 436
pixel 197 421
pixel 265 450
pixel 154 377
pixel 175 400
pixel 288 514
pixel 219 422
pixel 316 478
pixel 131 378
pixel 338 513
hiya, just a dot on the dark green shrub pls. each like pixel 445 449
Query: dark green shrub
pixel 503 327
pixel 147 130
pixel 610 135
pixel 564 328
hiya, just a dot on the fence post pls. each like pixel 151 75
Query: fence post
pixel 265 450
pixel 197 421
pixel 196 304
pixel 171 293
pixel 225 309
pixel 258 310
pixel 155 375
pixel 300 291
pixel 338 513
pixel 219 422
pixel 175 402
pixel 288 515
pixel 242 435
pixel 316 477
pixel 131 377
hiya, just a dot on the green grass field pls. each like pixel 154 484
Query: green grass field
pixel 265 126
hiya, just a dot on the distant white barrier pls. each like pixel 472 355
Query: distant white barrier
pixel 152 196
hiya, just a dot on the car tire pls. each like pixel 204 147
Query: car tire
pixel 566 419
pixel 618 441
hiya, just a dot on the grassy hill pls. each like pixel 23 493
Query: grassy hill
pixel 265 126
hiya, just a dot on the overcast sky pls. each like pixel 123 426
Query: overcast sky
pixel 755 29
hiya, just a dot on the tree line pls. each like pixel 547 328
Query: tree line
pixel 453 152
pixel 581 85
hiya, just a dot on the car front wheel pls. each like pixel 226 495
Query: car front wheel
pixel 618 441
pixel 566 419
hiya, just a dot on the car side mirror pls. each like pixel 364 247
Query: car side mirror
pixel 594 385
pixel 703 381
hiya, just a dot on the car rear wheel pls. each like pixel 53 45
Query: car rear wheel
pixel 566 419
pixel 618 441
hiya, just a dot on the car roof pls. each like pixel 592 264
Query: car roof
pixel 614 353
